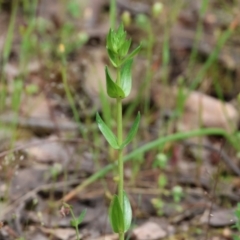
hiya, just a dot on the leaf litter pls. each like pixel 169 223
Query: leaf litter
pixel 48 163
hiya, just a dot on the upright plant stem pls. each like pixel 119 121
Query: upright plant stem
pixel 10 32
pixel 120 151
pixel 113 10
pixel 76 226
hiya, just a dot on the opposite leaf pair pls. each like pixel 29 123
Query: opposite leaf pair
pixel 110 136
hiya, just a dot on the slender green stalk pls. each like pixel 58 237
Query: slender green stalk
pixel 149 72
pixel 151 145
pixel 76 226
pixel 212 58
pixel 199 33
pixel 120 151
pixel 113 10
pixel 10 32
pixel 166 55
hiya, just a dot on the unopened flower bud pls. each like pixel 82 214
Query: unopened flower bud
pixel 157 9
pixel 126 18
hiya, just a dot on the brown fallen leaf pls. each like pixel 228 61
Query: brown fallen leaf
pixel 59 233
pixel 25 180
pixel 108 237
pixel 199 109
pixel 219 218
pixel 150 231
pixel 47 151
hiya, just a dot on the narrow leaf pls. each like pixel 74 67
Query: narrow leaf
pixel 126 77
pixel 127 212
pixel 113 58
pixel 109 39
pixel 107 133
pixel 120 36
pixel 113 90
pixel 132 131
pixel 125 47
pixel 116 215
pixel 81 216
pixel 133 53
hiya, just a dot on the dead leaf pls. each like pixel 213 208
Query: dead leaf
pixel 201 109
pixel 150 231
pixel 219 218
pixel 108 237
pixel 49 151
pixel 25 180
pixel 60 233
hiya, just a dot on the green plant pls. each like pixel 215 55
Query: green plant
pixel 177 193
pixel 10 33
pixel 73 8
pixel 161 162
pixel 158 204
pixel 118 45
pixel 66 209
pixel 231 138
pixel 237 224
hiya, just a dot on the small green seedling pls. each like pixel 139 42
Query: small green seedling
pixel 75 222
pixel 161 161
pixel 32 89
pixel 237 224
pixel 73 8
pixel 177 193
pixel 126 18
pixel 158 205
pixel 162 181
pixel 118 45
pixel 157 9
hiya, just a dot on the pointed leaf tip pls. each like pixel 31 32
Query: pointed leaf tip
pixel 107 133
pixel 127 212
pixel 113 90
pixel 126 77
pixel 116 215
pixel 132 131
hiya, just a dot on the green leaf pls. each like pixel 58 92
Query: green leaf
pixel 132 131
pixel 126 77
pixel 132 54
pixel 121 35
pixel 81 216
pixel 76 222
pixel 116 215
pixel 109 39
pixel 73 222
pixel 124 48
pixel 113 90
pixel 127 212
pixel 113 58
pixel 107 133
